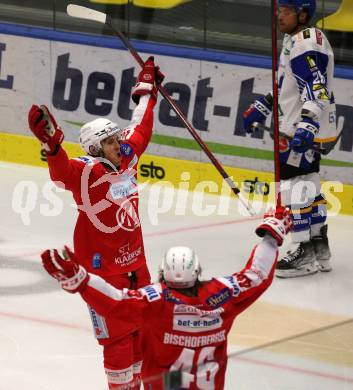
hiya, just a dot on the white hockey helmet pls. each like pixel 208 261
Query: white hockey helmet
pixel 94 132
pixel 180 267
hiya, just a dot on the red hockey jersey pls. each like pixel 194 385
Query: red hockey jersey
pixel 188 333
pixel 108 238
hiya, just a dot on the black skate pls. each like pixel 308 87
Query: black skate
pixel 322 250
pixel 298 262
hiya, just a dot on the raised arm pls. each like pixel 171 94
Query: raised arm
pixel 144 94
pixel 44 127
pixel 248 284
pixel 103 297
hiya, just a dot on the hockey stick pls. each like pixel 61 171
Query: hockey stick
pixel 78 11
pixel 275 104
pixel 316 147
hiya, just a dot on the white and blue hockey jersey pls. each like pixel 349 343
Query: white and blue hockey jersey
pixel 305 80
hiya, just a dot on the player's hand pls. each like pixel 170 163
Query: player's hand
pixel 44 127
pixel 65 268
pixel 258 111
pixel 304 136
pixel 149 77
pixel 277 223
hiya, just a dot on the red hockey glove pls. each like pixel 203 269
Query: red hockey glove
pixel 149 76
pixel 44 127
pixel 65 269
pixel 159 75
pixel 276 223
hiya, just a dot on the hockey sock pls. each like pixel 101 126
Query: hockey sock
pixel 301 224
pixel 318 215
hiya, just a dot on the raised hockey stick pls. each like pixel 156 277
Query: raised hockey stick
pixel 316 147
pixel 78 11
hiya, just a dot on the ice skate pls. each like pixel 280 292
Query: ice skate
pixel 300 261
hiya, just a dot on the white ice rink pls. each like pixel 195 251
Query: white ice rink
pixel 298 336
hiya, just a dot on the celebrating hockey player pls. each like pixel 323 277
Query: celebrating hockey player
pixel 108 238
pixel 307 114
pixel 186 321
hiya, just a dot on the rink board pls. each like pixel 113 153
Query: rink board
pixel 81 77
pixel 183 174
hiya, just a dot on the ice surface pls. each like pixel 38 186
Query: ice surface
pixel 46 340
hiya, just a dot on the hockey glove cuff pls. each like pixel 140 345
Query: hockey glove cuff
pixel 147 81
pixel 304 136
pixel 259 111
pixel 276 223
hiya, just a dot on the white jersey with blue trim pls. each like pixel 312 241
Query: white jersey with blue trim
pixel 305 80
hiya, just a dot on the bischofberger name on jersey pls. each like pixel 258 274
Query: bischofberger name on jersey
pixel 194 341
pixel 128 258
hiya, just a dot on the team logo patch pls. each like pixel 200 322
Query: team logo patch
pixel 169 297
pixel 147 77
pixel 126 150
pixel 311 60
pixel 97 261
pixel 218 299
pixel 306 34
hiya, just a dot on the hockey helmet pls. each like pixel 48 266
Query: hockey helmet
pixel 180 267
pixel 300 5
pixel 94 132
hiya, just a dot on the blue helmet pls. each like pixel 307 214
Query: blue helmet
pixel 299 5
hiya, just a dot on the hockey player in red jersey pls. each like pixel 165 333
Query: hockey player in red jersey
pixel 108 239
pixel 186 321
